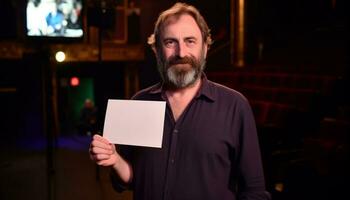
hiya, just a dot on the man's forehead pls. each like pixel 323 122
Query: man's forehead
pixel 188 24
pixel 175 18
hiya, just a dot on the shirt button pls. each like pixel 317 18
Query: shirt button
pixel 172 161
pixel 175 131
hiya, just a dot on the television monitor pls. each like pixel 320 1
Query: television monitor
pixel 54 19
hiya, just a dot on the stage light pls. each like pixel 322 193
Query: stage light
pixel 60 56
pixel 74 81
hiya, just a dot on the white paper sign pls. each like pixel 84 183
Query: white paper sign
pixel 133 122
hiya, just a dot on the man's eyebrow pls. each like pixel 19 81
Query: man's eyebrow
pixel 190 38
pixel 186 38
pixel 169 38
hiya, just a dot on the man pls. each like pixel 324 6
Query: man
pixel 88 119
pixel 210 148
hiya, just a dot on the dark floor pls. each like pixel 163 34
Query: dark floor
pixel 302 173
pixel 23 172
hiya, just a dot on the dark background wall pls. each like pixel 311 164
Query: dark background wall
pixel 289 37
pixel 293 35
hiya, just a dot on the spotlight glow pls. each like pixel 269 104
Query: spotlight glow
pixel 74 81
pixel 60 56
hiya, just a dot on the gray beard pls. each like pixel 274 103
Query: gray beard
pixel 180 78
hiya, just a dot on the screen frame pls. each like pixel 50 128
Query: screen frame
pixel 59 38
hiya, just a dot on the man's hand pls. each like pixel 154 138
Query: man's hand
pixel 103 152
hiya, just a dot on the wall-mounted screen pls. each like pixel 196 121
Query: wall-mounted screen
pixel 54 18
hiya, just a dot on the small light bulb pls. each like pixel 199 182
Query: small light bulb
pixel 60 56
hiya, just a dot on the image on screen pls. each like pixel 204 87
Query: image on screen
pixel 54 18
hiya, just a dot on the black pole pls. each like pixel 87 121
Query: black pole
pixel 48 118
pixel 102 13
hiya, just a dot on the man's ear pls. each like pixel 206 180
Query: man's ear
pixel 154 49
pixel 205 49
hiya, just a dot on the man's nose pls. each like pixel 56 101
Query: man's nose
pixel 181 49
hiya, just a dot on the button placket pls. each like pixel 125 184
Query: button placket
pixel 173 148
pixel 171 161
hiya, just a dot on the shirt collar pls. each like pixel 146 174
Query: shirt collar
pixel 204 90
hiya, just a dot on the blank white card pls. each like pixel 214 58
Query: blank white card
pixel 134 122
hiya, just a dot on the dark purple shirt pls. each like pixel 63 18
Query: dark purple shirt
pixel 210 153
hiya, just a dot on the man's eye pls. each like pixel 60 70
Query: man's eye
pixel 169 43
pixel 191 42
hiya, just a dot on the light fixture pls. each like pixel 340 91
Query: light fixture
pixel 74 81
pixel 60 56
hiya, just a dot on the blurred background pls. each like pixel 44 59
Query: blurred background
pixel 61 60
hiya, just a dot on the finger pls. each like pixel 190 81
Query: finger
pixel 98 150
pixel 103 163
pixel 113 147
pixel 99 144
pixel 100 138
pixel 100 157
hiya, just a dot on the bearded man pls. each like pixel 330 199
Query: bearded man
pixel 210 147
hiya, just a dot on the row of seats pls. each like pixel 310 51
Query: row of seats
pixel 273 80
pixel 298 97
pixel 270 114
pixel 274 95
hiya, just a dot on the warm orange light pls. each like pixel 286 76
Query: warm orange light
pixel 74 81
pixel 241 32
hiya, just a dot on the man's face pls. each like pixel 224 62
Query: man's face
pixel 181 53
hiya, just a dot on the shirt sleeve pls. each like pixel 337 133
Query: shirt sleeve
pixel 251 182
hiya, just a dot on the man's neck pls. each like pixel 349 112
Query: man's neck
pixel 180 98
pixel 184 92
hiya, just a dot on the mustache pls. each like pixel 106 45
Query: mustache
pixel 175 60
